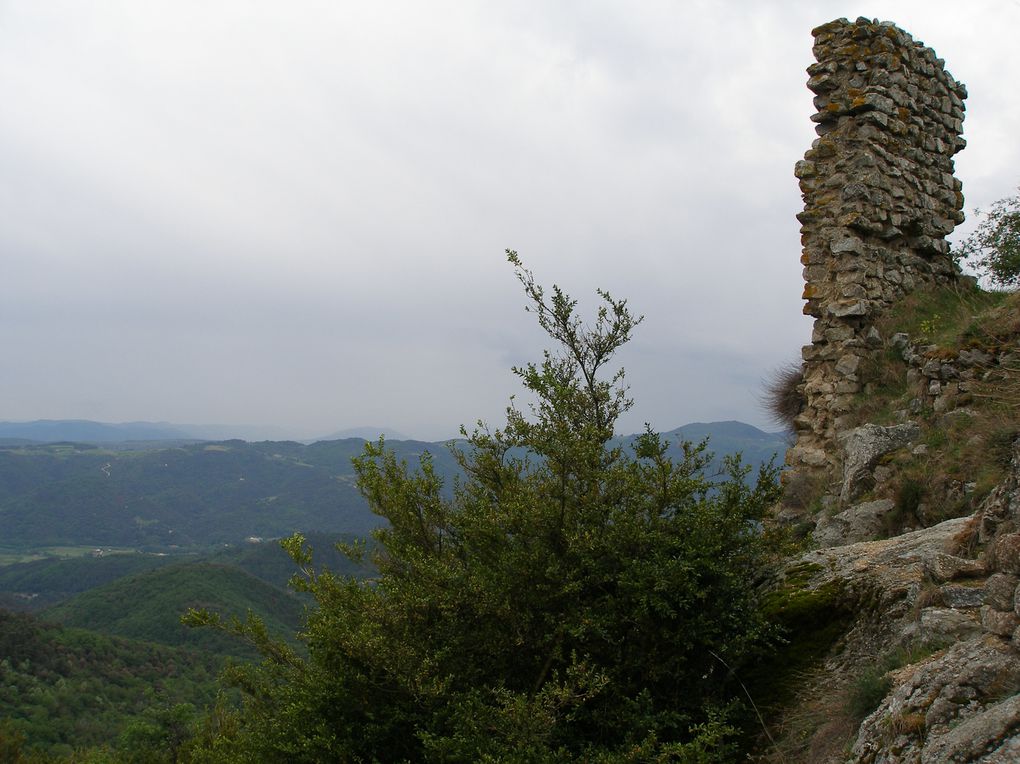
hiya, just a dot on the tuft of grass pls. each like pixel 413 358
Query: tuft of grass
pixel 868 692
pixel 941 316
pixel 996 325
pixel 884 391
pixel 909 494
pixel 804 490
pixel 906 724
pixel 874 682
pixel 782 396
pixel 1000 445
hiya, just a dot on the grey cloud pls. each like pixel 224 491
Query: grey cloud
pixel 295 215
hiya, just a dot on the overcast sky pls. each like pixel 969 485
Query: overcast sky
pixel 294 213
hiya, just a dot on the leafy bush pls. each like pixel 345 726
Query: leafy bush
pixel 995 245
pixel 572 601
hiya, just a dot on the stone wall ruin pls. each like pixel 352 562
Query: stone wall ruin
pixel 879 199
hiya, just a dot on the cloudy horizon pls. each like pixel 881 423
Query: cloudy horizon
pixel 295 214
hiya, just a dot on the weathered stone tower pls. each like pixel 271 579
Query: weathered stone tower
pixel 879 199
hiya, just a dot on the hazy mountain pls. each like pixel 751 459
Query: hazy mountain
pixel 366 433
pixel 85 431
pixel 88 431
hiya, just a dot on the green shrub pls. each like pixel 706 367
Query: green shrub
pixel 994 246
pixel 572 601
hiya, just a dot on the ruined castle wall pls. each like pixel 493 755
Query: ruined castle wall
pixel 879 199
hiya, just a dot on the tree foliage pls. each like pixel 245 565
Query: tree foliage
pixel 994 246
pixel 571 600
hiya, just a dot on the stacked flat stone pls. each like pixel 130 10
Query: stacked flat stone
pixel 879 199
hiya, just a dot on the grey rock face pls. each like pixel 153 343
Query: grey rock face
pixel 863 447
pixel 962 597
pixel 998 622
pixel 962 704
pixel 959 706
pixel 947 567
pixel 1000 590
pixel 861 522
pixel 946 624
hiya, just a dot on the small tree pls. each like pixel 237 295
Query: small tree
pixel 572 600
pixel 994 245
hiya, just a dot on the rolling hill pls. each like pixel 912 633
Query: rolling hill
pixel 148 606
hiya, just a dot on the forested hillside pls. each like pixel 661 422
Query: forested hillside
pixel 63 689
pixel 194 495
pixel 203 494
pixel 42 583
pixel 149 605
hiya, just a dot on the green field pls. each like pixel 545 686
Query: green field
pixel 12 555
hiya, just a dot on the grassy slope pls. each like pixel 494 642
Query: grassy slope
pixel 967 446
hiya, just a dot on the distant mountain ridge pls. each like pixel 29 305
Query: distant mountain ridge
pixel 87 431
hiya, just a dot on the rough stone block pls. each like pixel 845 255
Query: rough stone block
pixel 962 597
pixel 999 591
pixel 1007 553
pixel 804 169
pixel 847 244
pixel 848 364
pixel 998 622
pixel 947 567
pixel 863 447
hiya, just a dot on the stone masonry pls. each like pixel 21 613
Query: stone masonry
pixel 879 199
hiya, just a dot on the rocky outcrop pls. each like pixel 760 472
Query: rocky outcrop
pixel 863 446
pixel 861 522
pixel 951 595
pixel 879 199
pixel 932 639
pixel 959 706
